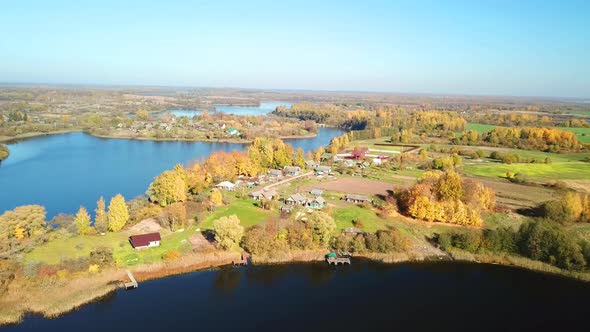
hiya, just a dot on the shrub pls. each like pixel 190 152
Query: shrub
pixel 171 255
pixel 468 240
pixel 102 256
pixel 520 177
pixel 547 242
pixel 500 240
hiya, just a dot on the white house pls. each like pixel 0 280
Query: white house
pixel 226 185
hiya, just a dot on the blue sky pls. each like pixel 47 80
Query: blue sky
pixel 532 48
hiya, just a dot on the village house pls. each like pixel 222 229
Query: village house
pixel 321 169
pixel 258 195
pixel 359 153
pixel 315 203
pixel 275 174
pixel 359 199
pixel 143 241
pixel 292 170
pixel 300 199
pixel 348 163
pixel 233 132
pixel 311 164
pixel 226 185
pixel 296 199
pixel 316 192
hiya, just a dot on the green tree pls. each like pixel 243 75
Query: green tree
pixel 82 221
pixel 118 214
pixel 101 222
pixel 323 227
pixel 228 232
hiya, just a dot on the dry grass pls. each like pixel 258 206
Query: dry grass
pixel 52 296
pixel 517 261
pixel 187 263
pixel 290 256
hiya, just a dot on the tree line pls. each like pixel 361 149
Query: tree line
pixel 527 138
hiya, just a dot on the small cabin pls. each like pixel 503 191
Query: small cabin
pixel 258 195
pixel 226 185
pixel 316 203
pixel 323 170
pixel 296 199
pixel 292 170
pixel 143 241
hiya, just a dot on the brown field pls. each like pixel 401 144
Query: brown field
pixel 517 196
pixel 354 186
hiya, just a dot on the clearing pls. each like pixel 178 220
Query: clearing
pixel 354 186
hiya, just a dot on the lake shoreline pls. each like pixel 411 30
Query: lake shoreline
pixel 21 137
pixel 102 285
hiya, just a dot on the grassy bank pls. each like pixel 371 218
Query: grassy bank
pixel 516 261
pixel 60 294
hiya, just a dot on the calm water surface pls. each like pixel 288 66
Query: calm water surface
pixel 363 297
pixel 62 172
pixel 264 108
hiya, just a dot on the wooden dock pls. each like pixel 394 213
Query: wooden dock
pixel 338 261
pixel 133 283
pixel 243 261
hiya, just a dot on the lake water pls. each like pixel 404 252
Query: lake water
pixel 264 108
pixel 62 172
pixel 315 297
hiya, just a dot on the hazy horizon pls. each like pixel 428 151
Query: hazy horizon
pixel 499 48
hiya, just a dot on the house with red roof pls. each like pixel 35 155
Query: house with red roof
pixel 142 241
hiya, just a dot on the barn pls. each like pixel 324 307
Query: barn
pixel 145 240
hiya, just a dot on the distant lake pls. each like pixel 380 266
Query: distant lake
pixel 264 108
pixel 62 172
pixel 365 296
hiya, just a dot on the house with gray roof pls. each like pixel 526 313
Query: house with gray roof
pixel 359 199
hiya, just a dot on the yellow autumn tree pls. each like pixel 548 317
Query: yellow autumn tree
pixel 19 232
pixel 216 197
pixel 586 210
pixel 101 221
pixel 168 187
pixel 450 186
pixel 82 221
pixel 573 206
pixel 118 213
pixel 426 209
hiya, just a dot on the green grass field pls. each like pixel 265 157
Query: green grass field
pixel 371 222
pixel 576 112
pixel 80 246
pixel 554 171
pixel 583 134
pixel 246 210
pixel 479 127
